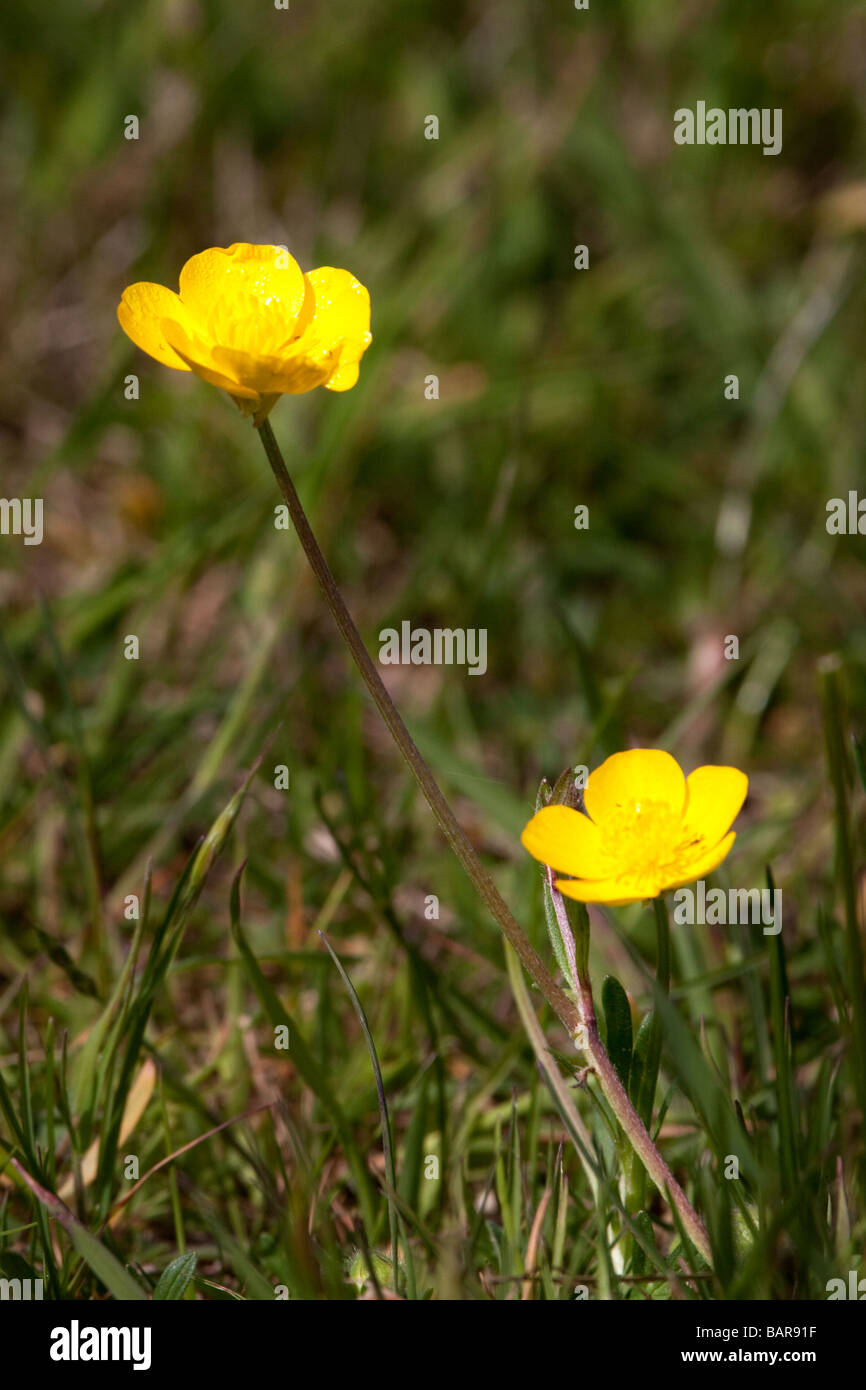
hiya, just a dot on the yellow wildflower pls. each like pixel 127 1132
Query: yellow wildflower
pixel 249 320
pixel 647 828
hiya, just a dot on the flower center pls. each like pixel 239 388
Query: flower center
pixel 646 844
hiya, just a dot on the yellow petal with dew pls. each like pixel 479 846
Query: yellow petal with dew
pixel 342 308
pixel 247 296
pixel 344 378
pixel 141 312
pixel 289 373
pixel 338 321
pixel 199 357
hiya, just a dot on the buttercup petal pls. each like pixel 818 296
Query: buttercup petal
pixel 564 839
pixel 699 868
pixel 288 374
pixel 198 356
pixel 304 365
pixel 611 891
pixel 249 297
pixel 263 374
pixel 140 313
pixel 342 306
pixel 344 378
pixel 340 319
pixel 713 801
pixel 626 779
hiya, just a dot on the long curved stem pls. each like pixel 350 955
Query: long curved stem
pixel 445 817
pixel 580 1020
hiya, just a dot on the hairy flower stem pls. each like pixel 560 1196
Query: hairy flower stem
pixel 580 1021
pixel 633 1127
pixel 645 1099
pixel 445 817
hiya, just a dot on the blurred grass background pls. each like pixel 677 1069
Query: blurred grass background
pixel 557 387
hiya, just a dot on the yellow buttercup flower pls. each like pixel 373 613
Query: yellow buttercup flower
pixel 249 320
pixel 647 828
